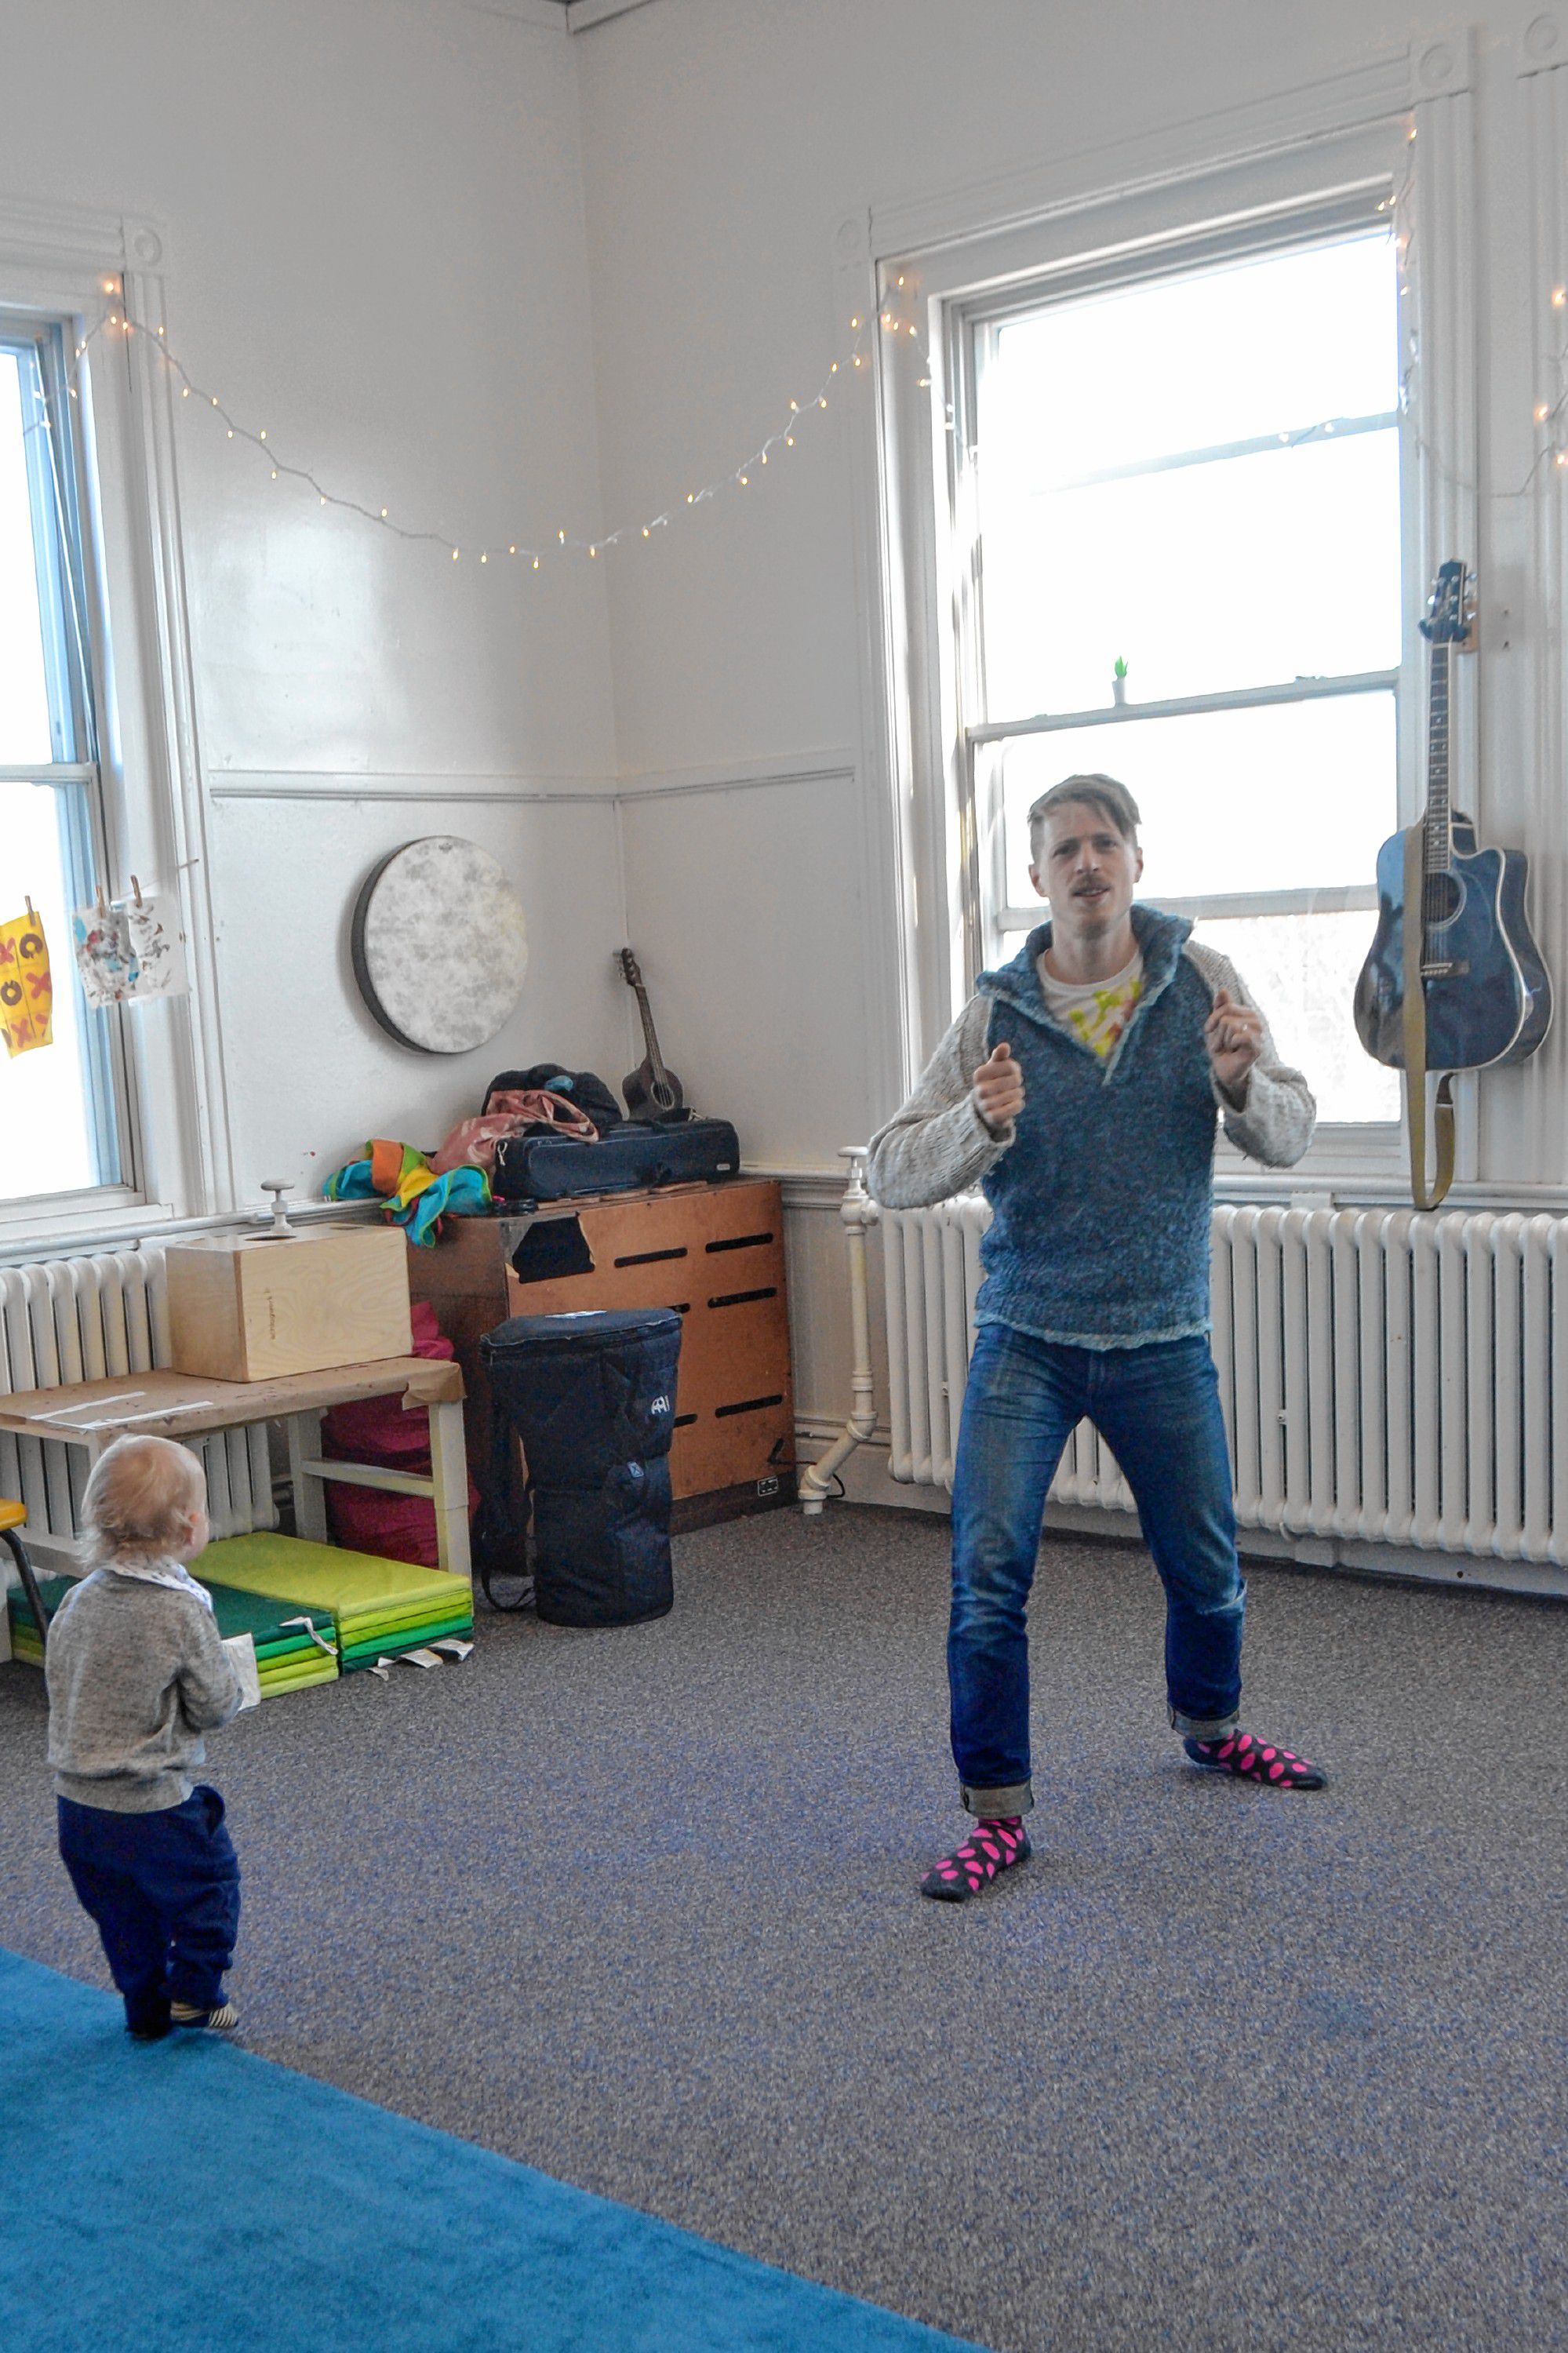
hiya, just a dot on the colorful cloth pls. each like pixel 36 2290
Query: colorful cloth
pixel 409 1189
pixel 26 985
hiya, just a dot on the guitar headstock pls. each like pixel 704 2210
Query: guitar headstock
pixel 630 971
pixel 1451 607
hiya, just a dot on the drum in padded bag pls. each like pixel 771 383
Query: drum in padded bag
pixel 592 1398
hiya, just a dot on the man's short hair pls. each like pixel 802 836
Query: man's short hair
pixel 1105 793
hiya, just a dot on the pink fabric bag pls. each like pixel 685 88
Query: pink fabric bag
pixel 377 1429
pixel 513 1112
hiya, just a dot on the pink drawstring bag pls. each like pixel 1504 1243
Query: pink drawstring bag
pixel 515 1111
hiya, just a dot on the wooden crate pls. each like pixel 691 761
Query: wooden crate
pixel 242 1308
pixel 715 1252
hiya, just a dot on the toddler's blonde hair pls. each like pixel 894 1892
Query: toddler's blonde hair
pixel 139 1499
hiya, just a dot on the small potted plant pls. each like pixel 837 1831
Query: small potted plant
pixel 1119 682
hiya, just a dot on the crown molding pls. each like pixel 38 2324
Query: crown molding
pixel 73 236
pixel 1196 146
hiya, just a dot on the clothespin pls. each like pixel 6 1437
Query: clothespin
pixel 137 888
pixel 102 902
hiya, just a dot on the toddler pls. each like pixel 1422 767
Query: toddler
pixel 137 1671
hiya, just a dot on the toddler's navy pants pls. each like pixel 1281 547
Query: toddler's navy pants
pixel 163 1889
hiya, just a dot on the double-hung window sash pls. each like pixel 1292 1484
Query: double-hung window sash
pixel 63 1107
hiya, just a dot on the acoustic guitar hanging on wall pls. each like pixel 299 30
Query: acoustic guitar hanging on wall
pixel 1452 980
pixel 652 1090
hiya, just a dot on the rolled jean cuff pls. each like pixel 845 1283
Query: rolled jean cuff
pixel 1204 1728
pixel 988 1805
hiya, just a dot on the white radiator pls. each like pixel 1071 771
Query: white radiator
pixel 1385 1377
pixel 86 1319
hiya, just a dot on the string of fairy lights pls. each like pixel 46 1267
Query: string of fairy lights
pixel 119 323
pixel 1548 414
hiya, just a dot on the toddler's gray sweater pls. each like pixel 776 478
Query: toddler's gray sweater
pixel 136 1673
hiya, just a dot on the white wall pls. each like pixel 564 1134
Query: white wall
pixel 723 149
pixel 371 219
pixel 503 277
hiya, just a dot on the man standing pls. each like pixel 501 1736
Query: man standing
pixel 1081 1086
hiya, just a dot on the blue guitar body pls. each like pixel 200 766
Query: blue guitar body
pixel 1488 999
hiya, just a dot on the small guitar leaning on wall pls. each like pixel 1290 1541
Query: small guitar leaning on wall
pixel 652 1091
pixel 1460 986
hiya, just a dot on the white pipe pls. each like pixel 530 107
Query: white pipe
pixel 858 1212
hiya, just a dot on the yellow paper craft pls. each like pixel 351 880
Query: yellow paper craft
pixel 26 984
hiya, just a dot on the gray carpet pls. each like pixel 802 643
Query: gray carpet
pixel 1221 2069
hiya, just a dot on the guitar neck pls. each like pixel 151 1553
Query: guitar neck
pixel 1438 822
pixel 649 1035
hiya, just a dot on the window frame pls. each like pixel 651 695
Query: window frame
pixel 1288 188
pixel 73 266
pixel 67 588
pixel 971 325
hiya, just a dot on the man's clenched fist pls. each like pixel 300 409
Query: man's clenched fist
pixel 999 1087
pixel 1234 1036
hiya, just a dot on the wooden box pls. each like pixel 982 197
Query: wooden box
pixel 651 1250
pixel 715 1253
pixel 243 1308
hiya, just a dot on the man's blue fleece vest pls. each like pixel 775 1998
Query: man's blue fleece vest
pixel 1099 1232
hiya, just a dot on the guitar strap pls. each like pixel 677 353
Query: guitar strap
pixel 1414 1019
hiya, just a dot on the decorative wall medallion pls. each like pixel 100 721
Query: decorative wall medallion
pixel 1444 65
pixel 440 946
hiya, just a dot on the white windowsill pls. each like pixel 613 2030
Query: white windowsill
pixel 66 1237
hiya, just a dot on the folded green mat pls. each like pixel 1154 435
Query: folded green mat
pixel 363 1592
pixel 323 1671
pixel 236 1612
pixel 370 1630
pixel 286 1657
pixel 364 1654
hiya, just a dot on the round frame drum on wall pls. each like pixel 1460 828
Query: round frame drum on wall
pixel 440 946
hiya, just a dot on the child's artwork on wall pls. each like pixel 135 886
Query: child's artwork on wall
pixel 154 927
pixel 103 953
pixel 26 984
pixel 130 950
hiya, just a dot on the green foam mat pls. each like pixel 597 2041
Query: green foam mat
pixel 362 1591
pixel 364 1654
pixel 299 1678
pixel 236 1612
pixel 372 1629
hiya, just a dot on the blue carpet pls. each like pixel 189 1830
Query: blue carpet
pixel 178 2196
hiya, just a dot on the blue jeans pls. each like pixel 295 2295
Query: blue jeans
pixel 1158 1409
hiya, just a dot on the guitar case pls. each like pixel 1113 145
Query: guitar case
pixel 636 1153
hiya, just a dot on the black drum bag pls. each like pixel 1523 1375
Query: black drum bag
pixel 672 1152
pixel 603 1560
pixel 592 1397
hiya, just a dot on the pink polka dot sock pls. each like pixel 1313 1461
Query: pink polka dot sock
pixel 1250 1761
pixel 995 1844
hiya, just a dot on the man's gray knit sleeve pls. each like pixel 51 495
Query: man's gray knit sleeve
pixel 1277 1118
pixel 210 1690
pixel 939 1144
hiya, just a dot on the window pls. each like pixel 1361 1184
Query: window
pixel 63 1107
pixel 1195 470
